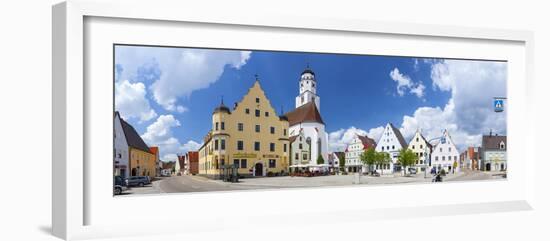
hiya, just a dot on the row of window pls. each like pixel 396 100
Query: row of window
pixel 421 146
pixel 240 163
pixel 297 156
pixel 219 144
pixel 450 158
pixel 256 112
pixel 441 149
pixel 388 148
pixel 240 127
pixel 353 154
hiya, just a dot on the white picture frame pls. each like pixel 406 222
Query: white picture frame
pixel 73 193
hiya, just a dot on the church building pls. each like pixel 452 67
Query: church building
pixel 306 119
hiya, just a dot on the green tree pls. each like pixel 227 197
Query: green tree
pixel 382 158
pixel 406 159
pixel 342 160
pixel 368 158
pixel 320 160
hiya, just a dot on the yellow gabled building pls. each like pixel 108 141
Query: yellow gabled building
pixel 251 137
pixel 142 161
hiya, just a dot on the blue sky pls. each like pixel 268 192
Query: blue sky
pixel 168 94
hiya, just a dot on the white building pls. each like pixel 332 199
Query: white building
pixel 334 160
pixel 391 142
pixel 358 145
pixel 422 148
pixel 120 149
pixel 307 119
pixel 299 152
pixel 308 89
pixel 494 152
pixel 445 154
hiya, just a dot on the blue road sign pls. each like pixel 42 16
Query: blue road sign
pixel 499 105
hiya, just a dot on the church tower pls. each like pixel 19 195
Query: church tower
pixel 308 89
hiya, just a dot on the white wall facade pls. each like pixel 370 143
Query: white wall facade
pixel 306 97
pixel 389 143
pixel 299 148
pixel 120 149
pixel 445 154
pixel 316 132
pixel 353 156
pixel 421 149
pixel 335 160
pixel 308 91
pixel 496 159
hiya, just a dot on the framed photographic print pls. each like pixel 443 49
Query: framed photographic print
pixel 267 117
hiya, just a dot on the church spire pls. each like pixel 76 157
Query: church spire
pixel 308 88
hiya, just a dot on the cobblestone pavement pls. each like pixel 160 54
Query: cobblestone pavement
pixel 183 184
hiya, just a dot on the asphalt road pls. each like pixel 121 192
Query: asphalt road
pixel 184 184
pixel 475 176
pixel 195 184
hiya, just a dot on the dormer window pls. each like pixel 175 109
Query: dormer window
pixel 502 146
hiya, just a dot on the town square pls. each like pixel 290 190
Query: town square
pixel 260 142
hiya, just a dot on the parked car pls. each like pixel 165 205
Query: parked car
pixel 139 181
pixel 412 170
pixel 120 185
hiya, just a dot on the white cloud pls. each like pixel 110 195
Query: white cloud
pixel 376 133
pixel 405 83
pixel 160 134
pixel 338 140
pixel 131 102
pixel 161 128
pixel 418 90
pixel 181 109
pixel 468 113
pixel 191 146
pixel 441 77
pixel 181 71
pixel 416 64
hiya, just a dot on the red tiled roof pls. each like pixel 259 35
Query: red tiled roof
pixel 304 113
pixel 367 142
pixel 154 149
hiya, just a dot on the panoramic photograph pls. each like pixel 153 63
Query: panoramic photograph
pixel 201 120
